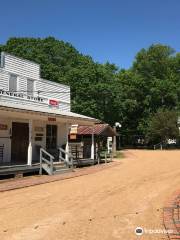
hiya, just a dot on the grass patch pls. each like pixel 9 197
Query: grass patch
pixel 119 154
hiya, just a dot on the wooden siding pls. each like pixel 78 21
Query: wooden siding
pixel 22 83
pixel 4 80
pixel 47 89
pixel 62 106
pixel 20 66
pixel 53 90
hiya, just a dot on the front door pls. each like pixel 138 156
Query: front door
pixel 19 142
pixel 51 137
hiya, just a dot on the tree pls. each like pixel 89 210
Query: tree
pixel 152 83
pixel 103 91
pixel 163 126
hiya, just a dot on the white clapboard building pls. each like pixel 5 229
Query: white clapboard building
pixel 34 114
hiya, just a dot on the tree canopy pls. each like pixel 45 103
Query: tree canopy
pixel 163 126
pixel 104 91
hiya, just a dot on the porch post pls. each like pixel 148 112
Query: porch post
pixel 114 143
pixel 67 142
pixel 92 144
pixel 29 160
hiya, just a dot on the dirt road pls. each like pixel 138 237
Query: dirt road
pixel 105 205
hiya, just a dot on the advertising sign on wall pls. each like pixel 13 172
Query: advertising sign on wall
pixel 53 102
pixel 3 126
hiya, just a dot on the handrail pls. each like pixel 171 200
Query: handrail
pixel 107 156
pixel 158 144
pixel 62 150
pixel 44 159
pixel 68 159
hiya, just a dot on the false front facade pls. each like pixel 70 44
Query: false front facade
pixel 34 113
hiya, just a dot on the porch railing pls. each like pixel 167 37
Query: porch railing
pixel 66 157
pixel 46 162
pixel 158 146
pixel 106 156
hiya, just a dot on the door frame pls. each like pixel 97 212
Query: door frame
pixel 52 124
pixel 11 124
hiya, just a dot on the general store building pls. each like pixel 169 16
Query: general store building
pixel 34 113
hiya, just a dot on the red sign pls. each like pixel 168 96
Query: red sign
pixel 51 119
pixel 3 127
pixel 53 102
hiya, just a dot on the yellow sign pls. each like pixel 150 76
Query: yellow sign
pixel 74 129
pixel 73 136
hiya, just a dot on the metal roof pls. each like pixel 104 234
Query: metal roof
pixel 98 129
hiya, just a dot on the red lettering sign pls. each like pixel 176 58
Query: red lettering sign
pixel 51 119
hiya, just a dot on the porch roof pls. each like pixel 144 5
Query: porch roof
pixel 97 129
pixel 46 111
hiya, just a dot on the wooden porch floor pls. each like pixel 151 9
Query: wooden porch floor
pixel 16 163
pixel 15 168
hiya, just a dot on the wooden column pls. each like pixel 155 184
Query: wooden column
pixel 29 158
pixel 92 144
pixel 67 141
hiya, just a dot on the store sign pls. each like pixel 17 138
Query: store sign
pixel 51 119
pixel 22 96
pixel 74 129
pixel 53 102
pixel 39 129
pixel 73 136
pixel 3 126
pixel 73 132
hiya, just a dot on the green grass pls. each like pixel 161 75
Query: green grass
pixel 119 154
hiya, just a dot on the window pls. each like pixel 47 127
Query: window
pixel 30 87
pixel 12 83
pixel 51 136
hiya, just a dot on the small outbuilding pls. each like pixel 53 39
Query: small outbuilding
pixel 86 142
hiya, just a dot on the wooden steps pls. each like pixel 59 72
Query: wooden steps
pixel 58 168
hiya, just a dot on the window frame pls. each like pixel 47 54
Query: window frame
pixel 13 75
pixel 30 93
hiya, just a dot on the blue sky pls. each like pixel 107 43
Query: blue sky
pixel 113 30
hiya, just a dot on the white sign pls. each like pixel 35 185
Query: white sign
pixel 23 96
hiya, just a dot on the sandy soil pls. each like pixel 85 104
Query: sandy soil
pixel 105 205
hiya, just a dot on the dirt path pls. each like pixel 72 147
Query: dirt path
pixel 105 205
